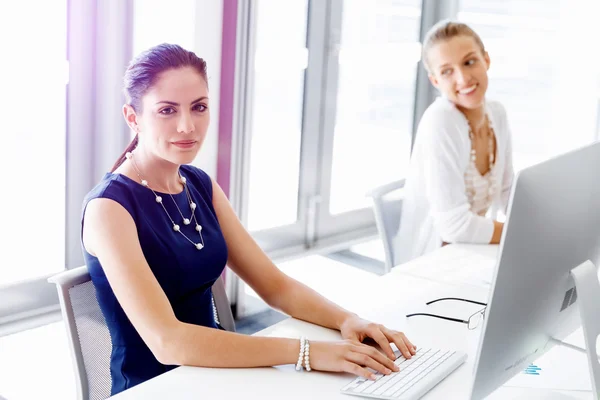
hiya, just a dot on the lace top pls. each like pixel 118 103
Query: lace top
pixel 481 189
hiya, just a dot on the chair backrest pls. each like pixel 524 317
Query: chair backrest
pixel 88 336
pixel 89 340
pixel 223 314
pixel 387 207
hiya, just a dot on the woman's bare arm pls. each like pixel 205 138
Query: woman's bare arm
pixel 110 234
pixel 280 291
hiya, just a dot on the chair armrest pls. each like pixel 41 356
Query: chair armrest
pixel 71 277
pixel 384 189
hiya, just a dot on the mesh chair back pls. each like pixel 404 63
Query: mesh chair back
pixel 94 341
pixel 222 309
pixel 89 338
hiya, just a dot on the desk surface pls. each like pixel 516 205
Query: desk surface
pixel 450 271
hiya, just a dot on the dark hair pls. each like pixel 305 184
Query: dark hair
pixel 143 71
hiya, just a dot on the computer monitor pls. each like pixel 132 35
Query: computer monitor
pixel 552 226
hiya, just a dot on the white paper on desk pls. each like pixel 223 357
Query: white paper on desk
pixel 561 369
pixel 455 265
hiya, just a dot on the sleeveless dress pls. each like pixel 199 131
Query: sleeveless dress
pixel 185 273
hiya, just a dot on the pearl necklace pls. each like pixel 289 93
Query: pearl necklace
pixel 159 200
pixel 490 143
pixel 491 158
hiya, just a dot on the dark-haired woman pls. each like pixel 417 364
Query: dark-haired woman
pixel 157 233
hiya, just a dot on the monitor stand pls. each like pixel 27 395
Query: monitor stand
pixel 588 296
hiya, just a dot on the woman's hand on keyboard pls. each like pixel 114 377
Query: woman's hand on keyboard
pixel 349 356
pixel 358 329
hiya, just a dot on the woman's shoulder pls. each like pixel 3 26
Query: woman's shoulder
pixel 199 172
pixel 498 115
pixel 116 187
pixel 441 123
pixel 110 185
pixel 442 111
pixel 496 108
pixel 200 178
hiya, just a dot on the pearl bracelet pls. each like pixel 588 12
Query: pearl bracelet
pixel 307 356
pixel 301 354
pixel 304 355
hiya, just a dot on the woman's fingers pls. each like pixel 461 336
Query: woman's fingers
pixel 377 356
pixel 364 360
pixel 357 370
pixel 402 343
pixel 376 334
pixel 411 346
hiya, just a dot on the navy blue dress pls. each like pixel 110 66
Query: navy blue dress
pixel 185 273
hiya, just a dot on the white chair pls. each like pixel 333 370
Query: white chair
pixel 387 207
pixel 89 340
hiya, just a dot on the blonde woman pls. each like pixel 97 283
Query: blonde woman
pixel 461 166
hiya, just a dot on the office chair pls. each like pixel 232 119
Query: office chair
pixel 387 207
pixel 89 340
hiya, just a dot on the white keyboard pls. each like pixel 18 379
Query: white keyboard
pixel 416 376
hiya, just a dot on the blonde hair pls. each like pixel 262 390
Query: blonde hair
pixel 445 30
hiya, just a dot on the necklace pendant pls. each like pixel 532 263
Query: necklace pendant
pixel 176 227
pixel 186 221
pixel 198 227
pixel 199 246
pixel 158 199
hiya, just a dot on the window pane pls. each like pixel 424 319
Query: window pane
pixel 156 22
pixel 378 60
pixel 541 70
pixel 33 76
pixel 278 90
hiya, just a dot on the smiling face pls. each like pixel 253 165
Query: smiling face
pixel 458 69
pixel 175 116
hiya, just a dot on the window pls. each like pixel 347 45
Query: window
pixel 280 61
pixel 33 76
pixel 379 52
pixel 328 114
pixel 155 22
pixel 541 70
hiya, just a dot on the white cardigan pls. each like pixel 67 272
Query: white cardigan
pixel 435 208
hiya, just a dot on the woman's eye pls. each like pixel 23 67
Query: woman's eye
pixel 167 111
pixel 470 62
pixel 200 107
pixel 446 71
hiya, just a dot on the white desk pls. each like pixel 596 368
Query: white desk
pixel 388 300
